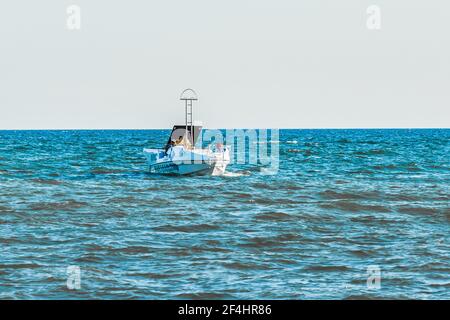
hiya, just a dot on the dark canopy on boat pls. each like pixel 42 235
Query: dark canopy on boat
pixel 180 131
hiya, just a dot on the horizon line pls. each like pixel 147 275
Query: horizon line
pixel 236 128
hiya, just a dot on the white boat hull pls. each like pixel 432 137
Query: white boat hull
pixel 181 169
pixel 180 161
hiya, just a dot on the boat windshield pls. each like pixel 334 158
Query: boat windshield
pixel 179 136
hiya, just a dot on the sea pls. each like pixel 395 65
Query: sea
pixel 348 214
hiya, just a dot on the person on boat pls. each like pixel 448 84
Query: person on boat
pixel 169 145
pixel 186 142
pixel 179 141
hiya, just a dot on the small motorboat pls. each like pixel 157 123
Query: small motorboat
pixel 180 156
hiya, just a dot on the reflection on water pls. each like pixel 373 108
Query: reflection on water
pixel 343 200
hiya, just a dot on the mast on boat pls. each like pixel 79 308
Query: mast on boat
pixel 189 96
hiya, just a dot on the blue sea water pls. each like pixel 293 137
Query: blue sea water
pixel 343 201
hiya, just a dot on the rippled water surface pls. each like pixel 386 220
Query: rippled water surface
pixel 342 200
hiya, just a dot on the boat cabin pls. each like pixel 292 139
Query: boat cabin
pixel 179 135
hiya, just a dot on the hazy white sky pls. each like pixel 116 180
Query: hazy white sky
pixel 254 63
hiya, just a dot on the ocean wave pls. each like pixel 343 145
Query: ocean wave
pixel 383 167
pixel 371 152
pixel 107 171
pixel 20 266
pixel 264 186
pixel 5 209
pixel 354 206
pixel 445 284
pixel 89 258
pixel 418 210
pixel 402 197
pixel 260 242
pixel 232 174
pixel 355 195
pixel 64 205
pixel 204 296
pixel 375 220
pixel 126 200
pixel 435 266
pixel 245 266
pixel 12 240
pixel 132 250
pixel 364 297
pixel 273 201
pixel 327 268
pixel 46 181
pixel 274 216
pixel 187 228
pixel 155 276
pixel 363 253
pixel 238 195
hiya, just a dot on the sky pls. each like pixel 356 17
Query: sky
pixel 253 63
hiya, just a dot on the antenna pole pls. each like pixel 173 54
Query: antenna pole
pixel 192 125
pixel 189 96
pixel 186 114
